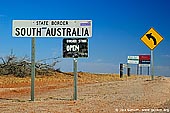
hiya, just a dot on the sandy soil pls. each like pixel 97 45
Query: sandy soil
pixel 97 93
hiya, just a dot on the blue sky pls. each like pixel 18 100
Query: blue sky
pixel 118 26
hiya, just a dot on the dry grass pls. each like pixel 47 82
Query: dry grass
pixel 65 77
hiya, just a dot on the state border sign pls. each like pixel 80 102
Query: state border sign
pixel 52 28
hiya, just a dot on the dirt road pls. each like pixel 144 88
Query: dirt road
pixel 95 95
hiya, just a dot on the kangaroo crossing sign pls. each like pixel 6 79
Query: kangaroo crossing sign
pixel 151 38
pixel 52 28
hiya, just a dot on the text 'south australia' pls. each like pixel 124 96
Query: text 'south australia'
pixel 52 32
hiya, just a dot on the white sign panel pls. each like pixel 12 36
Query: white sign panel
pixel 52 28
pixel 144 65
pixel 133 60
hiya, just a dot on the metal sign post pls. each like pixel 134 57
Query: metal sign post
pixel 140 70
pixel 75 48
pixel 75 78
pixel 151 39
pixel 137 69
pixel 152 65
pixel 148 70
pixel 32 68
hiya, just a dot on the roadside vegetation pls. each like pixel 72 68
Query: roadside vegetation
pixel 21 66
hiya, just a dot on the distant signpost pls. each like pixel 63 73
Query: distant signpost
pixel 56 28
pixel 133 60
pixel 140 61
pixel 144 60
pixel 151 39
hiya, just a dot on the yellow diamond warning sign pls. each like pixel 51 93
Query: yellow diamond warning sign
pixel 151 38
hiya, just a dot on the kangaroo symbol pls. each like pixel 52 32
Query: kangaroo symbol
pixel 149 36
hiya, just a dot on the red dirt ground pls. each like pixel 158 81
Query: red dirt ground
pixel 96 93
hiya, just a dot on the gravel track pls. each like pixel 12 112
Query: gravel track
pixel 138 95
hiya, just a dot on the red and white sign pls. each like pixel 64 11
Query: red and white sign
pixel 144 57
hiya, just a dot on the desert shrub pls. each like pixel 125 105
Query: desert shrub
pixel 21 67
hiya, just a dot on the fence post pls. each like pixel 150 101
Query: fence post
pixel 128 71
pixel 121 70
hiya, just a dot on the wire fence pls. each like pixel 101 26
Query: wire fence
pixel 158 70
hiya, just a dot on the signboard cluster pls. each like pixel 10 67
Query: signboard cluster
pixel 76 32
pixel 75 46
pixel 142 60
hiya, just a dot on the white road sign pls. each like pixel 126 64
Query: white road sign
pixel 144 65
pixel 52 28
pixel 133 60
